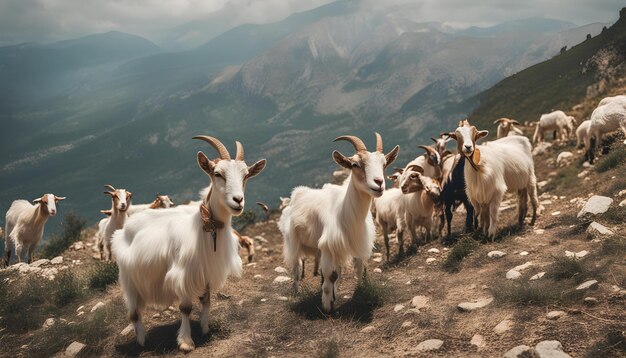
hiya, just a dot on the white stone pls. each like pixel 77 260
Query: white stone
pixel 263 299
pixel 80 308
pixel 78 245
pixel 576 255
pixel 583 174
pixel 595 205
pixel 257 276
pixel 406 324
pixel 377 254
pixel 622 203
pixel 523 253
pixel 496 254
pixel 430 259
pixel 555 314
pixel 282 298
pixel 519 352
pixel 513 275
pixel 542 183
pixel 564 158
pixel 398 308
pixel 550 349
pixel 474 305
pixel 128 330
pixel 74 349
pixel 537 276
pixel 282 279
pixel 40 262
pixel 591 284
pixel 478 340
pixel 430 345
pixel 555 213
pixel 590 301
pixel 433 251
pixel 49 323
pixel 97 306
pixel 378 270
pixel 503 326
pixel 598 229
pixel 539 231
pixel 57 260
pixel 420 302
pixel 368 329
pixel 377 259
pixel 280 269
pixel 541 148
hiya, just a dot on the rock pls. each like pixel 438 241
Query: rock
pixel 542 183
pixel 97 306
pixel 377 254
pixel 503 326
pixel 576 255
pixel 257 276
pixel 539 231
pixel 398 308
pixel 433 251
pixel 519 352
pixel 281 269
pixel 263 299
pixel 78 245
pixel 49 323
pixel 537 276
pixel 282 298
pixel 590 301
pixel 523 253
pixel 128 330
pixel 496 254
pixel 591 284
pixel 541 148
pixel 555 314
pixel 282 279
pixel 430 259
pixel 430 345
pixel 513 275
pixel 40 262
pixel 555 213
pixel 622 203
pixel 377 259
pixel 368 329
pixel 74 349
pixel 80 308
pixel 597 229
pixel 57 260
pixel 564 158
pixel 595 205
pixel 406 324
pixel 550 349
pixel 378 270
pixel 420 302
pixel 476 304
pixel 478 341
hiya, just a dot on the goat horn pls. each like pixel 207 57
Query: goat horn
pixel 498 120
pixel 110 187
pixel 515 122
pixel 356 142
pixel 416 167
pixel 239 155
pixel 379 142
pixel 426 148
pixel 215 143
pixel 59 197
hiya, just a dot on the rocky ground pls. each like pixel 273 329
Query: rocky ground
pixel 552 290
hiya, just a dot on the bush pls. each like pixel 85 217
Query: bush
pixel 533 293
pixel 102 275
pixel 565 268
pixel 461 250
pixel 616 157
pixel 72 226
pixel 66 288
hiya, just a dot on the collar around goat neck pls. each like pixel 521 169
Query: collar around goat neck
pixel 209 222
pixel 471 159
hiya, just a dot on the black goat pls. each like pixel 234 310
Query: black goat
pixel 453 194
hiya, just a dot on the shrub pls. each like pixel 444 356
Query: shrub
pixel 65 289
pixel 533 293
pixel 72 226
pixel 461 250
pixel 565 268
pixel 102 275
pixel 616 157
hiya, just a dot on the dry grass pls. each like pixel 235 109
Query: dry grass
pixel 459 251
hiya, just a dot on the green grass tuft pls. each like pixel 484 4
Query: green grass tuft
pixel 541 292
pixel 461 250
pixel 72 226
pixel 564 268
pixel 102 275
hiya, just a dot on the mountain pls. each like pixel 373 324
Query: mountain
pixel 284 89
pixel 525 26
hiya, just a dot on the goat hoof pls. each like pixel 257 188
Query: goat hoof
pixel 186 347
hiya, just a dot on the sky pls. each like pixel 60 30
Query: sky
pixel 51 20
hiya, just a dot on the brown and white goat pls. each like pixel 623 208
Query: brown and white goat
pixel 120 203
pixel 506 127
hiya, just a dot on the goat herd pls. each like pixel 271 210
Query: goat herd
pixel 186 251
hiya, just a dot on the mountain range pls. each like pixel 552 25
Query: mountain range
pixel 116 109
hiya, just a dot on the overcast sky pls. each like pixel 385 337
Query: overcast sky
pixel 49 20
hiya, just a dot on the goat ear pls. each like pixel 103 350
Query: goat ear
pixel 37 201
pixel 256 168
pixel 391 156
pixel 515 122
pixel 205 164
pixel 342 160
pixel 109 193
pixel 497 121
pixel 450 134
pixel 481 134
pixel 106 212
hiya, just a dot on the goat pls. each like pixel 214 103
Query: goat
pixel 495 167
pixel 25 223
pixel 605 119
pixel 120 203
pixel 429 161
pixel 440 143
pixel 335 221
pixel 284 202
pixel 160 202
pixel 554 121
pixel 390 216
pixel 582 134
pixel 421 196
pixel 453 193
pixel 506 127
pixel 165 255
pixel 247 243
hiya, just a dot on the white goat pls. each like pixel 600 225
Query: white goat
pixel 554 121
pixel 164 255
pixel 605 119
pixel 335 221
pixel 440 143
pixel 507 127
pixel 160 202
pixel 582 134
pixel 421 196
pixel 390 216
pixel 25 223
pixel 120 203
pixel 607 100
pixel 429 161
pixel 495 167
pixel 284 202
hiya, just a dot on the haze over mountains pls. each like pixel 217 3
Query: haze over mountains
pixel 115 108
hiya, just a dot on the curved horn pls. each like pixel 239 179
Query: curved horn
pixel 415 167
pixel 426 148
pixel 355 141
pixel 59 198
pixel 239 155
pixel 515 122
pixel 434 140
pixel 110 187
pixel 379 142
pixel 215 143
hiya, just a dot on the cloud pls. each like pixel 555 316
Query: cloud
pixel 50 20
